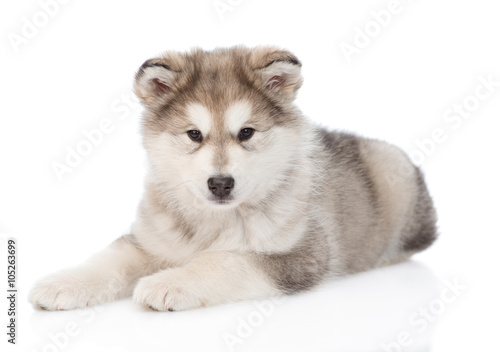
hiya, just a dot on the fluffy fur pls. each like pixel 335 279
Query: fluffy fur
pixel 305 204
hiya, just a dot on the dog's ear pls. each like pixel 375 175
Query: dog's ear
pixel 155 81
pixel 279 70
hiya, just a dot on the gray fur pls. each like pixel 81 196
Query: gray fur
pixel 301 268
pixel 421 227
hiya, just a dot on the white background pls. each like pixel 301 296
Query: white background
pixel 78 67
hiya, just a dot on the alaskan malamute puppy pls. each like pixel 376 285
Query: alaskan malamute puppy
pixel 244 197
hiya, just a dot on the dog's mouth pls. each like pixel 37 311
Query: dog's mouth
pixel 222 200
pixel 202 199
pixel 231 200
pixel 226 202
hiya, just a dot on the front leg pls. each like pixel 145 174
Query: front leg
pixel 221 277
pixel 212 278
pixel 108 275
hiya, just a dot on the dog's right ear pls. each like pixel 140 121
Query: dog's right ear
pixel 154 81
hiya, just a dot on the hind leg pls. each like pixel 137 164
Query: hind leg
pixel 403 200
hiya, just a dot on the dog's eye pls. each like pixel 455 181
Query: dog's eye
pixel 195 135
pixel 246 133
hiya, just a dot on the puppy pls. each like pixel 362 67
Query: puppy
pixel 244 197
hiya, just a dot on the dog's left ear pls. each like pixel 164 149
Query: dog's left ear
pixel 279 71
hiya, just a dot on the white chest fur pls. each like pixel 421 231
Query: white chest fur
pixel 176 243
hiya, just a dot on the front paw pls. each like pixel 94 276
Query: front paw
pixel 167 291
pixel 60 292
pixel 73 289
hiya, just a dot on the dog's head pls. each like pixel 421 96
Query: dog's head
pixel 220 128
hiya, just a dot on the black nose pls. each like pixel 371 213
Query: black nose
pixel 221 186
